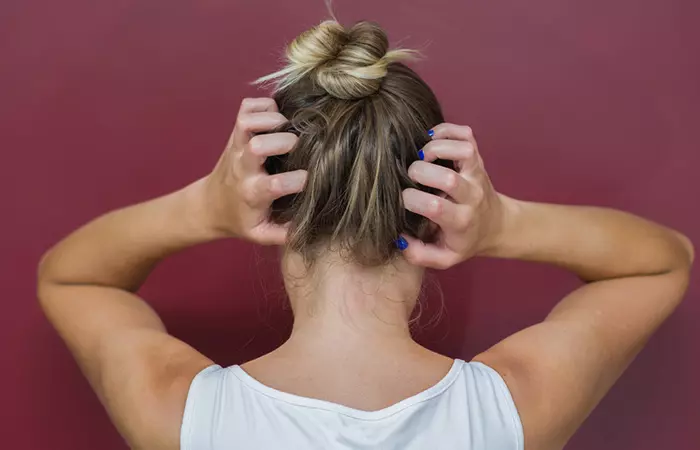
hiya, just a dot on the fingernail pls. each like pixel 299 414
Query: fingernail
pixel 431 133
pixel 421 155
pixel 401 243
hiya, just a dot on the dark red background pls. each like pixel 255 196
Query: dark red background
pixel 103 104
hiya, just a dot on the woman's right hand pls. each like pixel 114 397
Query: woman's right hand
pixel 471 218
pixel 238 193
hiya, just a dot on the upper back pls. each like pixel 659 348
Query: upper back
pixel 470 408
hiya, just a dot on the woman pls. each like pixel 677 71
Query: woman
pixel 353 171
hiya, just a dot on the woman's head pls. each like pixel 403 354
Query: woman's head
pixel 361 116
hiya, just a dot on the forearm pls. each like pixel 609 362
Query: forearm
pixel 120 248
pixel 595 243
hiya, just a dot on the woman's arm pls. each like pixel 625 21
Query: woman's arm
pixel 86 282
pixel 120 248
pixel 85 287
pixel 594 243
pixel 558 370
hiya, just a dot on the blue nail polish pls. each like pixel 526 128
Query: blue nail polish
pixel 431 133
pixel 401 243
pixel 421 155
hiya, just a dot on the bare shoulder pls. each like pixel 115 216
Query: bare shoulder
pixel 560 369
pixel 147 403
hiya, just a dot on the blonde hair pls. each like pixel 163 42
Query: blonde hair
pixel 361 116
pixel 348 64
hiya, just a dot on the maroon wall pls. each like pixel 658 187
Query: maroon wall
pixel 106 103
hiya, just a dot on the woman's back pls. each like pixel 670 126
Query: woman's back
pixel 470 407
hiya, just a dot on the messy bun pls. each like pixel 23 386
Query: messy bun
pixel 361 116
pixel 347 64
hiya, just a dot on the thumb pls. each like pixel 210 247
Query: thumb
pixel 419 253
pixel 270 234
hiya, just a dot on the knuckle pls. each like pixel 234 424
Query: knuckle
pixel 237 171
pixel 468 130
pixel 478 193
pixel 272 187
pixel 463 218
pixel 255 144
pixel 276 186
pixel 469 151
pixel 436 207
pixel 248 101
pixel 248 192
pixel 470 165
pixel 243 122
pixel 451 182
pixel 248 196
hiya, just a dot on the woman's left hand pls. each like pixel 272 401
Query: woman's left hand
pixel 472 215
pixel 238 193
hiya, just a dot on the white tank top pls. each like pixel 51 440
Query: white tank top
pixel 469 409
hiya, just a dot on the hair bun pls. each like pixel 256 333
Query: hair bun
pixel 346 63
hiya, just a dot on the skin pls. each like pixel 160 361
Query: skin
pixel 636 273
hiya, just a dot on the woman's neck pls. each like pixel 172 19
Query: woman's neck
pixel 339 306
pixel 351 342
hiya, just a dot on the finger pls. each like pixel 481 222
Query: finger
pixel 441 211
pixel 451 150
pixel 270 234
pixel 261 104
pixel 452 131
pixel 268 188
pixel 249 106
pixel 249 123
pixel 442 178
pixel 419 253
pixel 264 145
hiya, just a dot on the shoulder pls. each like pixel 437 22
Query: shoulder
pixel 154 406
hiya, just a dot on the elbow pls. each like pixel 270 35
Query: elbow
pixel 44 277
pixel 688 254
pixel 43 271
